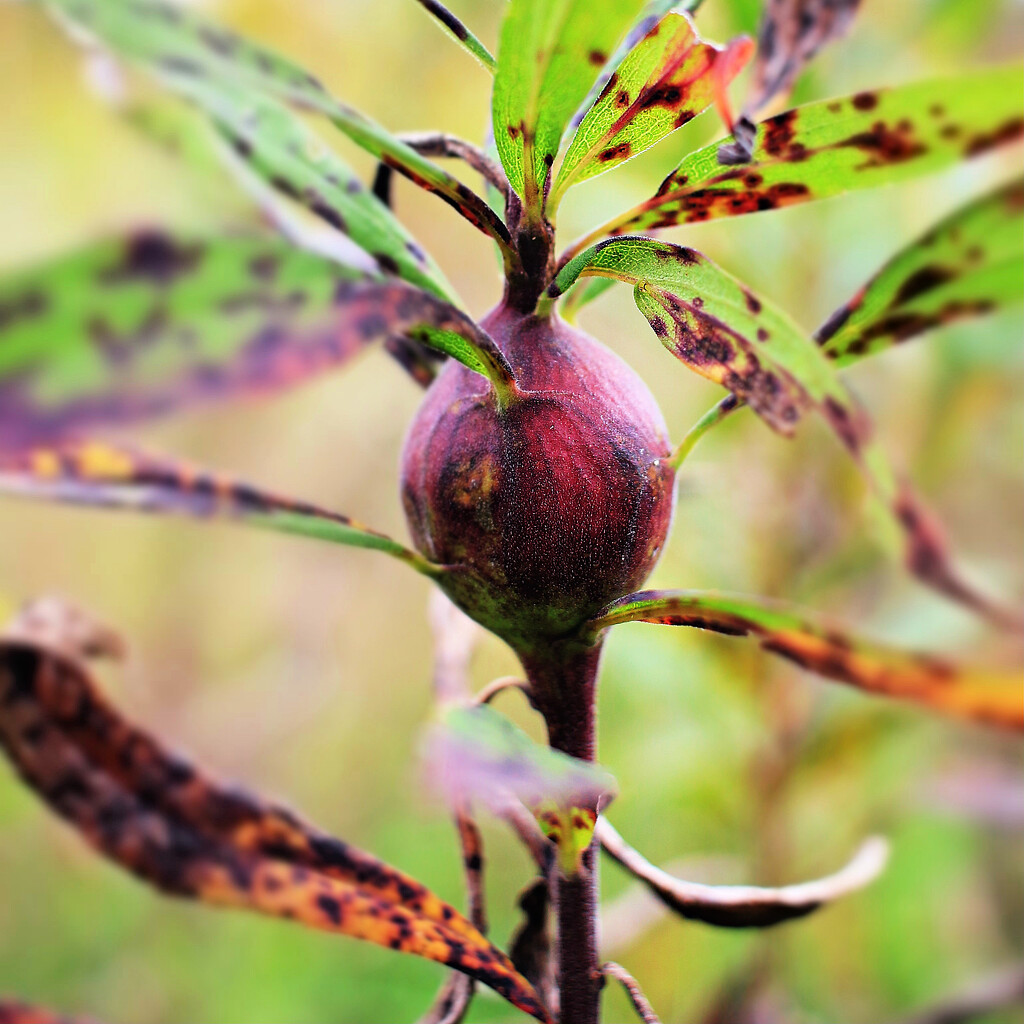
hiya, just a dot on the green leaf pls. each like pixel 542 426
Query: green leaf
pixel 476 754
pixel 653 11
pixel 993 697
pixel 134 327
pixel 189 835
pixel 293 160
pixel 666 80
pixel 199 60
pixel 550 53
pixel 720 328
pixel 113 476
pixel 460 33
pixel 972 263
pixel 827 148
pixel 715 325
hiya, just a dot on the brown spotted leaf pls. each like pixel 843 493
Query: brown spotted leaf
pixel 790 35
pixel 720 328
pixel 970 264
pixel 130 328
pixel 993 697
pixel 102 475
pixel 746 906
pixel 189 835
pixel 833 146
pixel 666 80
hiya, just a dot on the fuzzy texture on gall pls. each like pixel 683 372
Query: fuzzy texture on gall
pixel 552 507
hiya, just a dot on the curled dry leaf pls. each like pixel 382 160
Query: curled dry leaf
pixel 188 835
pixel 746 906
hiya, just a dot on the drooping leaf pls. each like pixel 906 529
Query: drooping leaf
pixel 747 906
pixel 791 33
pixel 717 326
pixel 720 328
pixel 549 54
pixel 458 31
pixel 291 159
pixel 201 60
pixel 972 263
pixel 97 474
pixel 830 147
pixel 135 327
pixel 478 755
pixel 666 80
pixel 993 697
pixel 189 835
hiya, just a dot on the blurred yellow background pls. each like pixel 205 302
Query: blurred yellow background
pixel 304 670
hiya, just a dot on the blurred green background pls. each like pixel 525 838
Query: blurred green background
pixel 305 672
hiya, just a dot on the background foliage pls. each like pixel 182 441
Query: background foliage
pixel 305 671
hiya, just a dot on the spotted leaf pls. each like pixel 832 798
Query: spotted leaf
pixel 550 53
pixel 720 328
pixel 746 906
pixel 135 327
pixel 827 148
pixel 993 697
pixel 650 14
pixel 972 263
pixel 94 473
pixel 666 80
pixel 189 835
pixel 200 60
pixel 477 754
pixel 790 34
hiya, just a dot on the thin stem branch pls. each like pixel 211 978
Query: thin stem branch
pixel 643 1008
pixel 563 684
pixel 710 419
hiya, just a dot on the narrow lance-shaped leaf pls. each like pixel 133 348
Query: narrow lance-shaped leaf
pixel 746 906
pixel 198 58
pixel 135 327
pixel 718 327
pixel 826 148
pixel 550 53
pixel 790 34
pixel 993 697
pixel 971 263
pixel 189 835
pixel 666 80
pixel 94 473
pixel 650 14
pixel 458 31
pixel 477 754
pixel 291 159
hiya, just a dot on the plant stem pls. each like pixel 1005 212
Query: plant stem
pixel 563 688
